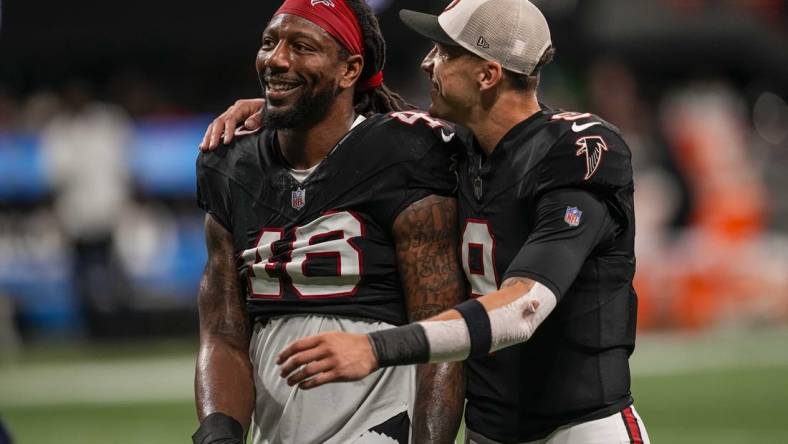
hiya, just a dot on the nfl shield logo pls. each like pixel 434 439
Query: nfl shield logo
pixel 572 216
pixel 298 198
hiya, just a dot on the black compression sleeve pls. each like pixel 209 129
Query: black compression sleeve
pixel 570 223
pixel 400 346
pixel 479 329
pixel 218 428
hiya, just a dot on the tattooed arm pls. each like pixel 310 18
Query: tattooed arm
pixel 223 380
pixel 426 241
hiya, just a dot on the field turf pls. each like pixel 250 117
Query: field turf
pixel 728 389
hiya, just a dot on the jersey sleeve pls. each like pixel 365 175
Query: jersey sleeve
pixel 432 173
pixel 213 191
pixel 596 158
pixel 569 224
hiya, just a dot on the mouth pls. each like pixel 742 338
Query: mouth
pixel 435 89
pixel 276 89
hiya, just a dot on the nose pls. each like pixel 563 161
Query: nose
pixel 428 64
pixel 276 59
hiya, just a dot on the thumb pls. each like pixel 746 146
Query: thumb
pixel 254 121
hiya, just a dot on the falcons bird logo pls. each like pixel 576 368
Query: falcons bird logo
pixel 592 147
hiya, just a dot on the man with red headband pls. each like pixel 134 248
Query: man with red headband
pixel 304 236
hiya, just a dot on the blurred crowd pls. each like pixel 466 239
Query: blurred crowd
pixel 92 243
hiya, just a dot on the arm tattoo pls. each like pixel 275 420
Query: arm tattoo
pixel 426 236
pixel 426 242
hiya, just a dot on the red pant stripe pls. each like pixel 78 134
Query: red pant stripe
pixel 631 424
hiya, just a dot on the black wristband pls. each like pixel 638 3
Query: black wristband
pixel 479 329
pixel 218 428
pixel 400 346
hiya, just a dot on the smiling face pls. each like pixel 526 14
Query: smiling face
pixel 453 72
pixel 301 70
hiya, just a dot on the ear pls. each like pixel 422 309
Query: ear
pixel 490 75
pixel 353 67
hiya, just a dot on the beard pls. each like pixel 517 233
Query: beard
pixel 307 110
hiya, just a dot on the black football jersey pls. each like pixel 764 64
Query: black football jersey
pixel 325 245
pixel 553 202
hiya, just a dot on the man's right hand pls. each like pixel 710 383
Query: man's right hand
pixel 248 111
pixel 328 357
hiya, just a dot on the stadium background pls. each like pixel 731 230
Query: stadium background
pixel 102 105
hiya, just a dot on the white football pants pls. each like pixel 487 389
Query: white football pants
pixel 624 427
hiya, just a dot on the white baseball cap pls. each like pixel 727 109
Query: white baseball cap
pixel 513 33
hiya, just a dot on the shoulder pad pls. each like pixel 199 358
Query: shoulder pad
pixel 421 121
pixel 405 136
pixel 425 148
pixel 589 152
pixel 225 158
pixel 578 122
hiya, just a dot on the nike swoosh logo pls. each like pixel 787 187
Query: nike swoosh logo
pixel 446 137
pixel 577 128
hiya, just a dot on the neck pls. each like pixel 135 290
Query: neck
pixel 490 122
pixel 307 146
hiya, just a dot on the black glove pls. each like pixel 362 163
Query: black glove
pixel 218 428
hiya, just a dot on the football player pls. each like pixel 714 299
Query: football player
pixel 339 216
pixel 547 245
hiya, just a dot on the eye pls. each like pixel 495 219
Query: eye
pixel 302 47
pixel 268 43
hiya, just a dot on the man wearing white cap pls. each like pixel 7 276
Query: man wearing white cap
pixel 546 206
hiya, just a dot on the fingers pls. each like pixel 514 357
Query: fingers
pixel 204 144
pixel 298 346
pixel 254 121
pixel 217 128
pixel 320 379
pixel 222 129
pixel 309 370
pixel 302 358
pixel 229 130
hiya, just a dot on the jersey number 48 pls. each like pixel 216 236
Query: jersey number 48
pixel 302 265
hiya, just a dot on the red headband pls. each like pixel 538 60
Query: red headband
pixel 334 16
pixel 371 83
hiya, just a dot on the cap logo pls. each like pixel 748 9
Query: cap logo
pixel 324 2
pixel 451 5
pixel 482 42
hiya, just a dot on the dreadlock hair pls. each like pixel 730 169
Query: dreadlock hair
pixel 380 99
